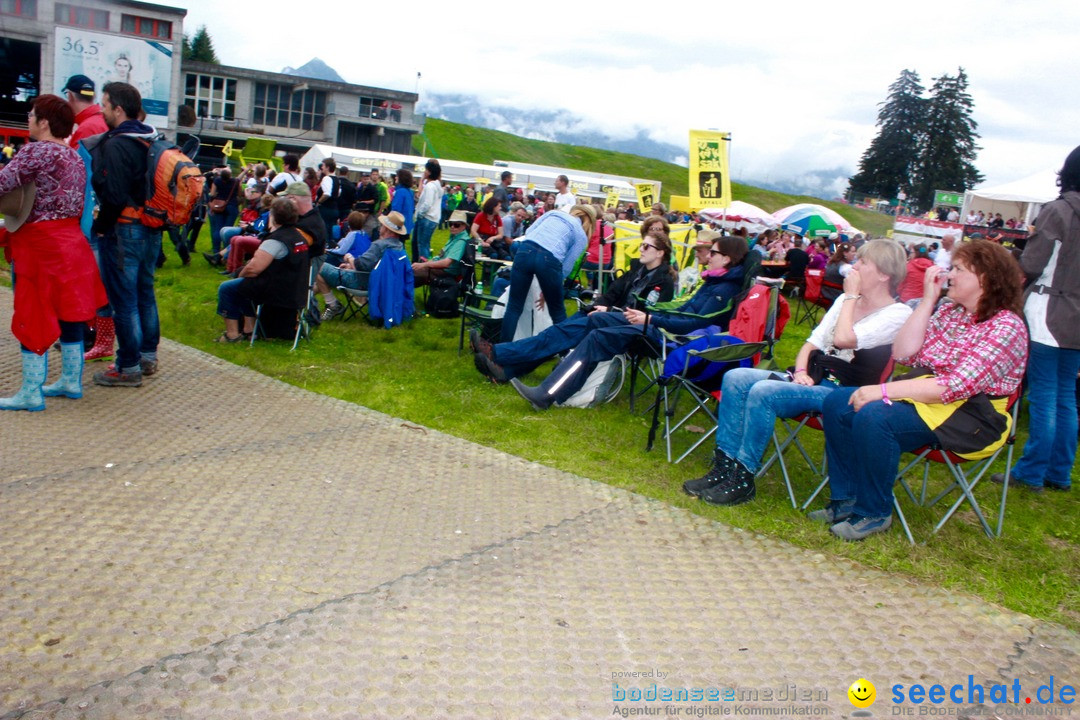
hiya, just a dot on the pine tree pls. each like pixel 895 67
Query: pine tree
pixel 947 155
pixel 200 47
pixel 888 164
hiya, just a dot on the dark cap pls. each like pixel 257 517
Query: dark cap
pixel 80 85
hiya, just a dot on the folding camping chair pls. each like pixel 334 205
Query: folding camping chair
pixel 760 319
pixel 812 420
pixel 966 482
pixel 302 326
pixel 811 297
pixel 476 307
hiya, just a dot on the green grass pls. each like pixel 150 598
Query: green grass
pixel 415 373
pixel 480 145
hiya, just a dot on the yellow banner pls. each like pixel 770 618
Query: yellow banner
pixel 226 150
pixel 710 183
pixel 612 201
pixel 646 196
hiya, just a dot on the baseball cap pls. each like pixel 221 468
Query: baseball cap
pixel 80 85
pixel 297 188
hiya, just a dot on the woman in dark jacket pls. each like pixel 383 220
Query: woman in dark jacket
pixel 607 334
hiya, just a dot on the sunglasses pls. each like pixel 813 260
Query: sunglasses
pixel 645 246
pixel 715 252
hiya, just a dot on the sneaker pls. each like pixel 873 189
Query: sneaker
pixel 836 511
pixel 1014 481
pixel 736 490
pixel 149 367
pixel 860 528
pixel 332 311
pixel 116 378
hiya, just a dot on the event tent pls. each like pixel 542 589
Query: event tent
pixel 1021 199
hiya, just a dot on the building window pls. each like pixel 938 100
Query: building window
pixel 22 8
pixel 147 27
pixel 212 96
pixel 82 17
pixel 279 106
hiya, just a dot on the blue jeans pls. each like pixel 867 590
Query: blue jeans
pixel 533 261
pixel 220 221
pixel 864 448
pixel 128 259
pixel 1051 445
pixel 231 304
pixel 104 311
pixel 750 402
pixel 421 244
pixel 523 356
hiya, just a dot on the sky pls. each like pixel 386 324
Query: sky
pixel 797 84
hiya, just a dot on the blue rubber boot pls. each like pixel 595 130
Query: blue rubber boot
pixel 70 382
pixel 29 397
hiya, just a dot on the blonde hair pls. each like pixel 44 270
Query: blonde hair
pixel 888 256
pixel 587 215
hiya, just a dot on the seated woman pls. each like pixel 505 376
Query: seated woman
pixel 970 354
pixel 354 273
pixel 276 275
pixel 487 231
pixel 840 351
pixel 836 270
pixel 603 335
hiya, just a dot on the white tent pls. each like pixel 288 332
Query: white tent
pixel 1020 199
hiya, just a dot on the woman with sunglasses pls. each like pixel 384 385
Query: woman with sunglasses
pixel 603 335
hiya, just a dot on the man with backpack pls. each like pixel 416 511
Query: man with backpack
pixel 329 191
pixel 347 193
pixel 129 248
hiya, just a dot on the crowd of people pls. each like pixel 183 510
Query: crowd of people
pixel 956 314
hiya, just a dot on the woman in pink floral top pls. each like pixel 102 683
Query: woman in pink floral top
pixel 970 353
pixel 57 287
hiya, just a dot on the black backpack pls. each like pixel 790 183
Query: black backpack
pixel 443 297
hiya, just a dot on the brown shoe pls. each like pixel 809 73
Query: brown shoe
pixel 489 367
pixel 480 345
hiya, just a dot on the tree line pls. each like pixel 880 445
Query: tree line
pixel 924 143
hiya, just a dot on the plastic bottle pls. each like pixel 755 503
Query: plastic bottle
pixel 654 296
pixel 479 289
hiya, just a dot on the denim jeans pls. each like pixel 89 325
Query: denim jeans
pixel 1051 445
pixel 220 221
pixel 128 257
pixel 533 261
pixel 104 311
pixel 231 304
pixel 750 402
pixel 864 448
pixel 421 244
pixel 523 356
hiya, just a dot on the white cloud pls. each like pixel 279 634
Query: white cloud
pixel 797 84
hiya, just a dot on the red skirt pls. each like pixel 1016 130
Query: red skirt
pixel 56 278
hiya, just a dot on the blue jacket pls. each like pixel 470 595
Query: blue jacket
pixel 713 296
pixel 405 203
pixel 391 289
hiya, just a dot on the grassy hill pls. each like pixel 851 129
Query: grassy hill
pixel 472 144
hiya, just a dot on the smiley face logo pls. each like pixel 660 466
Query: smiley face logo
pixel 862 693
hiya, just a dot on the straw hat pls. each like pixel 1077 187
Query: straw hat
pixel 706 236
pixel 16 206
pixel 394 222
pixel 459 216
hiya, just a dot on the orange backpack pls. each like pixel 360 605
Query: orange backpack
pixel 174 184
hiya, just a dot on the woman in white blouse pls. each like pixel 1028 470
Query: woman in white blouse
pixel 851 346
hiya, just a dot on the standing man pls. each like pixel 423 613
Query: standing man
pixel 327 196
pixel 347 193
pixel 290 173
pixel 502 193
pixel 88 118
pixel 383 201
pixel 565 199
pixel 367 196
pixel 943 259
pixel 129 250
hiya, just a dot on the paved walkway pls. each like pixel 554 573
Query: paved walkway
pixel 217 544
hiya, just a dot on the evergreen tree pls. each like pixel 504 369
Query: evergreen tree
pixel 888 164
pixel 200 47
pixel 947 155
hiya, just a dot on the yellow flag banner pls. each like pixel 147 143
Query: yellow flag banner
pixel 627 242
pixel 646 196
pixel 226 150
pixel 612 201
pixel 710 183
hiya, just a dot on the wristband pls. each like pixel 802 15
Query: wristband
pixel 885 395
pixel 799 370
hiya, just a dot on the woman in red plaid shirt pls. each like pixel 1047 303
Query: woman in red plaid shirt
pixel 967 357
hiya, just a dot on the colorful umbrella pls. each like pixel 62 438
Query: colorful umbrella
pixel 808 223
pixel 739 212
pixel 831 216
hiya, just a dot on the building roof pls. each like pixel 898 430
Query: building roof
pixel 287 79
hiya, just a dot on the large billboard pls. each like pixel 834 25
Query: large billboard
pixel 146 64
